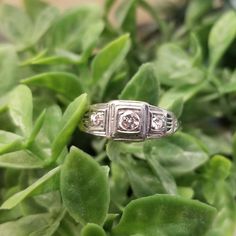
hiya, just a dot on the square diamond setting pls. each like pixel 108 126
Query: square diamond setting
pixel 128 120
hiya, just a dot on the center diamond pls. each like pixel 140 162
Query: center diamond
pixel 129 121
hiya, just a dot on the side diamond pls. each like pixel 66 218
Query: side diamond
pixel 158 122
pixel 97 119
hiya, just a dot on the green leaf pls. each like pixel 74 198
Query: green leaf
pixel 215 173
pixel 227 88
pixel 59 57
pixel 8 68
pixel 126 17
pixel 49 230
pixel 20 109
pixel 119 184
pixel 186 192
pixel 34 7
pixel 219 168
pixel 69 29
pixel 36 129
pixel 92 230
pixel 164 215
pixel 175 67
pixel 108 60
pixel 51 123
pixel 196 50
pixel 90 38
pixel 15 25
pixel 10 142
pixel 20 160
pixel 116 149
pixel 81 179
pixel 166 179
pixel 43 22
pixel 234 146
pixel 179 154
pixel 196 10
pixel 143 86
pixel 48 182
pixel 142 180
pixel 221 36
pixel 26 225
pixel 184 92
pixel 69 122
pixel 64 83
pixel 108 5
pixel 224 223
pixel 177 107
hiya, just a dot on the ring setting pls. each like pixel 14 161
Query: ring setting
pixel 129 121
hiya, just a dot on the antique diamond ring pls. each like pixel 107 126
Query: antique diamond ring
pixel 128 120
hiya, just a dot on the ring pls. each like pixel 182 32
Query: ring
pixel 129 121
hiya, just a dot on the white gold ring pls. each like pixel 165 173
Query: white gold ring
pixel 129 121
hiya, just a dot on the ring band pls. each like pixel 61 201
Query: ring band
pixel 128 120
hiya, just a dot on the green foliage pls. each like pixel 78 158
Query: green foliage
pixel 164 215
pixel 82 179
pixel 221 36
pixel 136 89
pixel 59 82
pixel 54 64
pixel 92 230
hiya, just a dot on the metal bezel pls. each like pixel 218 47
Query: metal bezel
pixel 118 106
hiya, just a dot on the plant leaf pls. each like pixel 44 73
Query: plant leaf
pixel 69 122
pixel 50 182
pixel 51 123
pixel 179 154
pixel 119 184
pixel 184 92
pixel 64 83
pixel 49 230
pixel 221 36
pixel 43 22
pixel 26 225
pixel 166 179
pixel 92 230
pixel 50 126
pixel 142 180
pixel 177 107
pixel 224 223
pixel 215 172
pixel 68 30
pixel 36 129
pixel 174 66
pixel 15 25
pixel 34 7
pixel 20 160
pixel 108 60
pixel 126 17
pixel 143 86
pixel 10 142
pixel 8 68
pixel 90 37
pixel 164 215
pixel 21 108
pixel 195 10
pixel 81 179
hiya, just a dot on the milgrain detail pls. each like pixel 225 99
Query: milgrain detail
pixel 128 120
